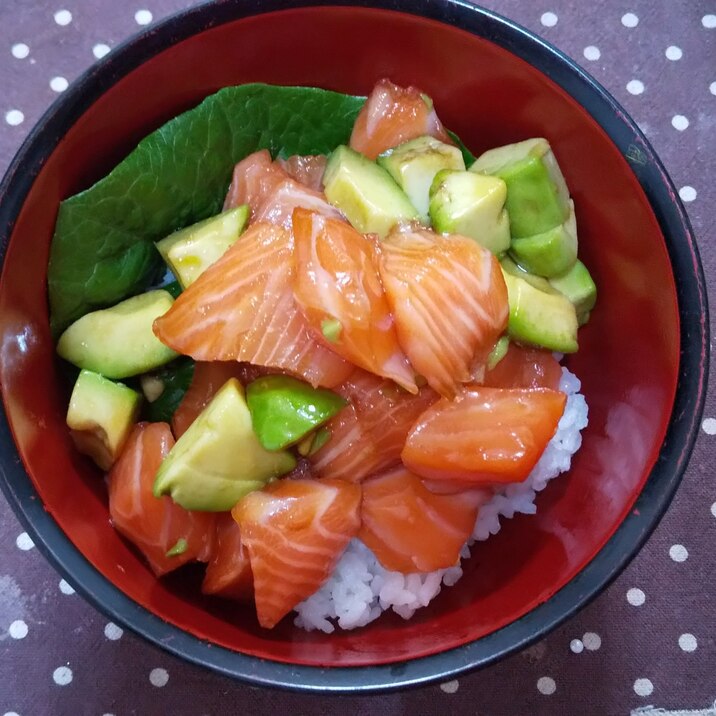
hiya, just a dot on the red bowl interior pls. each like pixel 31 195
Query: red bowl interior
pixel 629 351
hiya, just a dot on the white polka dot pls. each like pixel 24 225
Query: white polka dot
pixel 576 646
pixel 450 687
pixel 709 21
pixel 713 509
pixel 712 88
pixel 592 641
pixel 13 118
pixel 643 687
pixel 546 685
pixel 62 675
pixel 678 121
pixel 65 588
pixel 688 642
pixel 635 87
pixel 636 597
pixel 112 631
pixel 63 17
pixel 100 50
pixel 11 713
pixel 549 19
pixel 678 553
pixel 592 53
pixel 687 193
pixel 18 629
pixel 630 20
pixel 708 426
pixel 673 53
pixel 158 677
pixel 24 542
pixel 58 84
pixel 143 17
pixel 20 50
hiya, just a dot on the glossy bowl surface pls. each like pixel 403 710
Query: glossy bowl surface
pixel 642 358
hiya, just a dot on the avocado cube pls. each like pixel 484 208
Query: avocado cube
pixel 473 205
pixel 547 320
pixel 579 287
pixel 190 251
pixel 537 195
pixel 100 417
pixel 539 282
pixel 366 194
pixel 498 352
pixel 551 253
pixel 118 342
pixel 414 165
pixel 219 459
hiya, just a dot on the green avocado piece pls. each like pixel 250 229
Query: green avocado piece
pixel 551 253
pixel 284 410
pixel 118 342
pixel 190 251
pixel 414 165
pixel 219 459
pixel 510 267
pixel 537 195
pixel 498 352
pixel 371 201
pixel 100 416
pixel 473 205
pixel 579 287
pixel 540 319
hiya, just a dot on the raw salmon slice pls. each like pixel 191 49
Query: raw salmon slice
pixel 525 368
pixel 295 532
pixel 254 177
pixel 155 525
pixel 393 115
pixel 449 301
pixel 409 528
pixel 282 200
pixel 369 434
pixel 242 308
pixel 307 170
pixel 486 436
pixel 336 282
pixel 228 572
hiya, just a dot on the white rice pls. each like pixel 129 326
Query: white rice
pixel 360 589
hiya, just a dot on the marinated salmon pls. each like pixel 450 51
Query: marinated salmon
pixel 295 532
pixel 166 534
pixel 242 308
pixel 449 301
pixel 486 436
pixel 307 170
pixel 228 572
pixel 524 367
pixel 409 528
pixel 254 177
pixel 393 115
pixel 336 283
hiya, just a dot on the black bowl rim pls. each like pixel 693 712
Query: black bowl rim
pixel 630 535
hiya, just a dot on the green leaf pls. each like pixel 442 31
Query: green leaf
pixel 103 247
pixel 177 377
pixel 467 155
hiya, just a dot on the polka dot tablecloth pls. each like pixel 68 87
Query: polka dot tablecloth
pixel 649 640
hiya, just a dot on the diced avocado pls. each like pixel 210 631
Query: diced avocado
pixel 331 329
pixel 540 319
pixel 219 459
pixel 551 253
pixel 472 205
pixel 414 165
pixel 537 195
pixel 367 195
pixel 498 352
pixel 284 409
pixel 118 342
pixel 190 251
pixel 510 267
pixel 101 416
pixel 579 287
pixel 152 387
pixel 312 443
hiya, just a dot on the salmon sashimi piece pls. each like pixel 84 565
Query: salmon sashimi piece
pixel 279 204
pixel 409 528
pixel 155 525
pixel 228 572
pixel 393 115
pixel 486 436
pixel 295 532
pixel 336 280
pixel 368 435
pixel 449 301
pixel 253 179
pixel 307 170
pixel 524 367
pixel 242 308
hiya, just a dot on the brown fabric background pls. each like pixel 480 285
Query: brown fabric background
pixel 47 633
